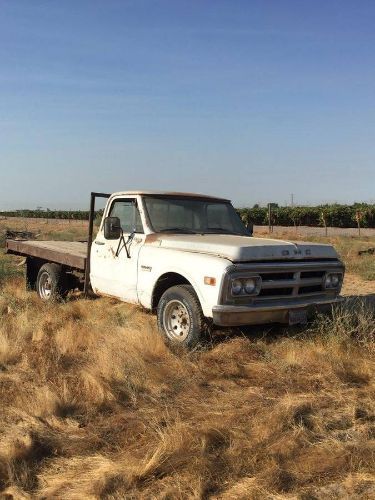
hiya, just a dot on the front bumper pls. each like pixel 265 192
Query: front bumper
pixel 237 315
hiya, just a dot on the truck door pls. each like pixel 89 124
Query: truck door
pixel 114 263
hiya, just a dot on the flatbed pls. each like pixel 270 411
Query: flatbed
pixel 67 253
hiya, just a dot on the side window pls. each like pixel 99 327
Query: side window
pixel 126 210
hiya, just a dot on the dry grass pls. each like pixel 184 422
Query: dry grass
pixel 95 406
pixel 46 229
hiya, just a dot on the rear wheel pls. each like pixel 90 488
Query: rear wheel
pixel 180 316
pixel 51 282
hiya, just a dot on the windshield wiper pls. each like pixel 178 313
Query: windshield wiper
pixel 177 230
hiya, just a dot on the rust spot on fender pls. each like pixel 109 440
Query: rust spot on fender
pixel 151 238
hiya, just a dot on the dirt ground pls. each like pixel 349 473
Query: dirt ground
pixel 278 231
pixel 354 285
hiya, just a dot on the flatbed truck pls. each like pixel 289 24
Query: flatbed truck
pixel 190 258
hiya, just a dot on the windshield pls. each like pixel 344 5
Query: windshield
pixel 192 216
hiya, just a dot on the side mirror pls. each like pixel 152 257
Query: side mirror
pixel 112 228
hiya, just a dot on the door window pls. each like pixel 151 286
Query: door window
pixel 128 213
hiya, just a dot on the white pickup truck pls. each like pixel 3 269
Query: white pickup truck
pixel 189 258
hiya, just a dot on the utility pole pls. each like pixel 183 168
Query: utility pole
pixel 292 200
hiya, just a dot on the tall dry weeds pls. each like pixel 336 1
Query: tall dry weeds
pixel 93 405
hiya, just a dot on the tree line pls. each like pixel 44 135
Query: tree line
pixel 335 215
pixel 48 214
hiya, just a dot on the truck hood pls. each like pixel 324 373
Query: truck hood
pixel 242 248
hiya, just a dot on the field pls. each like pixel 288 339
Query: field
pixel 94 405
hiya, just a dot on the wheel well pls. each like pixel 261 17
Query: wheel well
pixel 33 264
pixel 166 281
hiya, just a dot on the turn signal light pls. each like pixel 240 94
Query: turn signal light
pixel 208 280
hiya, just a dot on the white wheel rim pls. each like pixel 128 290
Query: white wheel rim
pixel 176 320
pixel 45 286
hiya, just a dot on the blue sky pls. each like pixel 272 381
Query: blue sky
pixel 252 100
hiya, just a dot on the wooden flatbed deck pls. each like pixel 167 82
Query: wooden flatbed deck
pixel 68 253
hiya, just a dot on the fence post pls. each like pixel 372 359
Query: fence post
pixel 269 217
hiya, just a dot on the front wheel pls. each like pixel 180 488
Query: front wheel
pixel 180 316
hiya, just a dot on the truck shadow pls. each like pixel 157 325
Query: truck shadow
pixel 367 300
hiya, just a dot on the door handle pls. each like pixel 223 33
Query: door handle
pixel 99 242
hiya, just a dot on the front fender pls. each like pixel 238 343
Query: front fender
pixel 193 267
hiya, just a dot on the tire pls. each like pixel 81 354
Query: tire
pixel 51 283
pixel 180 316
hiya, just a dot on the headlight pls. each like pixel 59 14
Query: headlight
pixel 328 281
pixel 335 280
pixel 246 286
pixel 332 280
pixel 250 286
pixel 237 287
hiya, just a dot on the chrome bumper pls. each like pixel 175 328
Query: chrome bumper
pixel 229 315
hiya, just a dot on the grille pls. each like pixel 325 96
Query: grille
pixel 271 292
pixel 296 282
pixel 286 284
pixel 284 280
